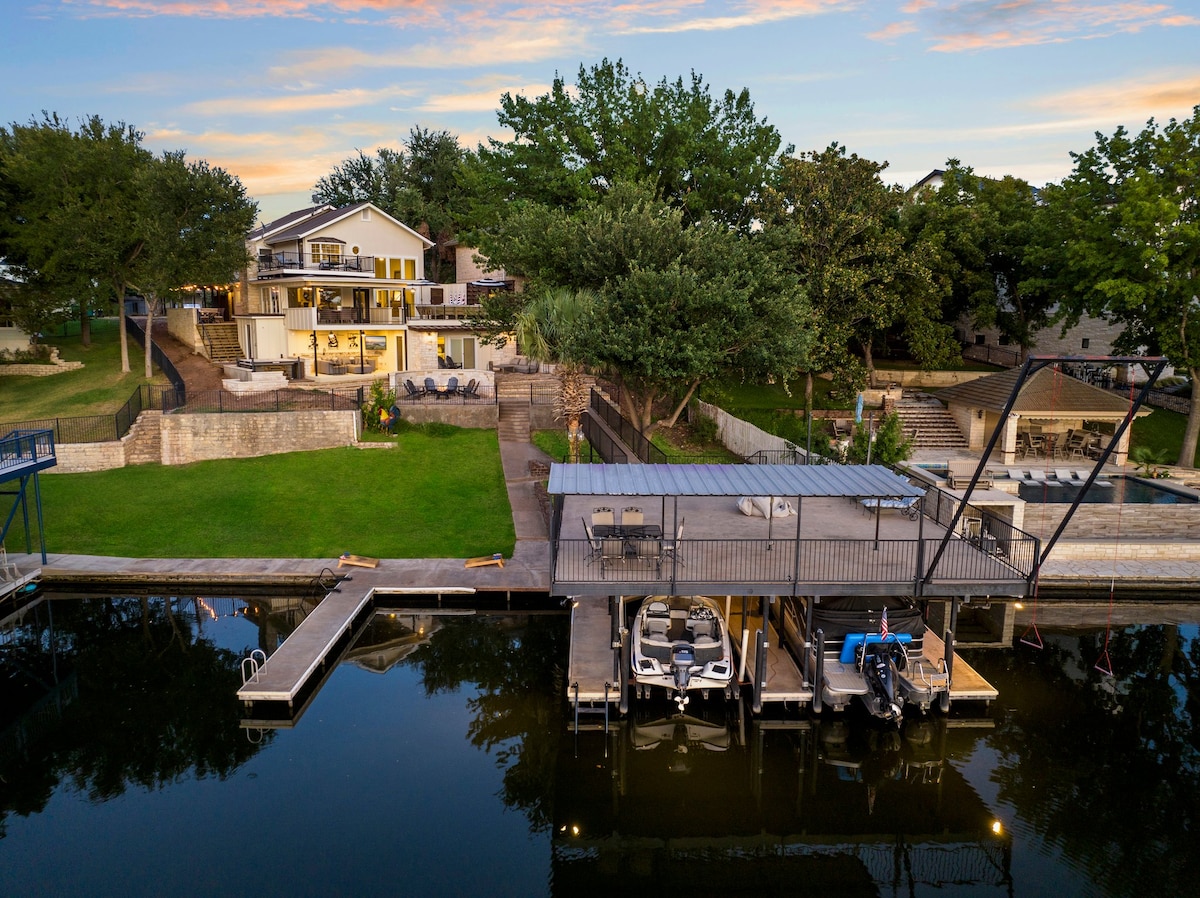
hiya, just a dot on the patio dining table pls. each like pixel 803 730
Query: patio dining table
pixel 628 531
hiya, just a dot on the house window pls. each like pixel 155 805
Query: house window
pixel 1003 340
pixel 326 253
pixel 1087 343
pixel 979 340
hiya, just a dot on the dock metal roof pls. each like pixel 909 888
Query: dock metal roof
pixel 858 481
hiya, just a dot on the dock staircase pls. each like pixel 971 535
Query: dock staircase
pixel 928 424
pixel 221 342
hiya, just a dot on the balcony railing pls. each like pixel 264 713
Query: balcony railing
pixel 277 263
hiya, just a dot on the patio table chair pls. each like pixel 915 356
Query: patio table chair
pixel 412 391
pixel 430 385
pixel 670 549
pixel 603 516
pixel 631 517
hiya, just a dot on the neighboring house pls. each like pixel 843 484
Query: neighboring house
pixel 323 279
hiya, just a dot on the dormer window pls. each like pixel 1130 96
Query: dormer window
pixel 327 253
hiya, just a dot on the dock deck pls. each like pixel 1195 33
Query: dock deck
pixel 966 683
pixel 592 663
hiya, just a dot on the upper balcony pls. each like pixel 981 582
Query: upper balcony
pixel 274 265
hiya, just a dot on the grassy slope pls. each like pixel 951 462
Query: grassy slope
pixel 95 389
pixel 430 497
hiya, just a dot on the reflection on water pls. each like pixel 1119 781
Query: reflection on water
pixel 438 759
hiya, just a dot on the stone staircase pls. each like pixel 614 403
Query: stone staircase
pixel 513 424
pixel 221 342
pixel 929 425
pixel 143 443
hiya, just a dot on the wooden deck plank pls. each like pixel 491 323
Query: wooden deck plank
pixel 966 683
pixel 785 683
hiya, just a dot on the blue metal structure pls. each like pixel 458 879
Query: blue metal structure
pixel 23 453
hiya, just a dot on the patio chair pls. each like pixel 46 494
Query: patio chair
pixel 412 391
pixel 451 389
pixel 450 363
pixel 603 516
pixel 612 551
pixel 430 385
pixel 671 546
pixel 1037 443
pixel 471 390
pixel 1076 444
pixel 593 543
pixel 651 550
pixel 1068 477
pixel 631 517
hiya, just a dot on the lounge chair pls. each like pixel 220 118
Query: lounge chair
pixel 1068 477
pixel 430 386
pixel 412 391
pixel 1020 476
pixel 471 390
pixel 1099 481
pixel 451 389
pixel 1040 477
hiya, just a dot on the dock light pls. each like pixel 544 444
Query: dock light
pixel 575 830
pixel 1019 606
pixel 996 827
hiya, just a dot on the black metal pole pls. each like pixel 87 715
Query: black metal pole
pixel 361 364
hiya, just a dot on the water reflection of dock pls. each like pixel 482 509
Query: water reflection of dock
pixel 772 807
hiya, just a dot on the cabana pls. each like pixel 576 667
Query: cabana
pixel 1051 408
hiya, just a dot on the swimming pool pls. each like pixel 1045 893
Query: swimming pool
pixel 1124 490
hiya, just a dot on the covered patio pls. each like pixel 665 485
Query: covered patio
pixel 848 534
pixel 1055 417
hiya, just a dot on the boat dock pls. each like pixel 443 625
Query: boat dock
pixel 593 665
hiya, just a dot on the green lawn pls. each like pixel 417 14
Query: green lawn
pixel 97 388
pixel 1161 430
pixel 437 496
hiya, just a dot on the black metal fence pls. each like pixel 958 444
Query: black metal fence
pixel 219 401
pixel 160 358
pixel 992 355
pixel 984 529
pixel 103 428
pixel 625 431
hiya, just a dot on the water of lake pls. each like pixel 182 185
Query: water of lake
pixel 439 759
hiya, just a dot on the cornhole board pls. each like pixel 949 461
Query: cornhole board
pixel 484 560
pixel 357 560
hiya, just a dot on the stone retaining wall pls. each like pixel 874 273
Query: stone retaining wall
pixel 484 415
pixel 188 438
pixel 76 458
pixel 54 366
pixel 1127 523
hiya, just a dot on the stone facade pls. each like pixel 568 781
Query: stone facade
pixel 76 458
pixel 1126 524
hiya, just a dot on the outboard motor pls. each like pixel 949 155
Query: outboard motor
pixel 880 678
pixel 683 657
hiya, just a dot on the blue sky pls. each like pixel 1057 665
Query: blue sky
pixel 279 91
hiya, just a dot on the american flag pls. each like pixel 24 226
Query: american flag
pixel 883 628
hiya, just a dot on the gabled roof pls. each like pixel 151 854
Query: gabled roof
pixel 303 226
pixel 1047 393
pixel 291 218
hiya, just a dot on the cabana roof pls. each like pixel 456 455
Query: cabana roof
pixel 1046 394
pixel 856 481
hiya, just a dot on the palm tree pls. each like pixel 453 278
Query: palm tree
pixel 546 330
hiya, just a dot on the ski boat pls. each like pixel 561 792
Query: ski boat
pixel 681 643
pixel 873 649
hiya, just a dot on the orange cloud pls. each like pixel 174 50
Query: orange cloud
pixel 752 12
pixel 991 24
pixel 1132 102
pixel 892 31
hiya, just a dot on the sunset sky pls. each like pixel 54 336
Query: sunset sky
pixel 279 91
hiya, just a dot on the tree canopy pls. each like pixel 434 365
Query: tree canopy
pixel 833 223
pixel 89 213
pixel 1127 222
pixel 705 157
pixel 980 238
pixel 675 305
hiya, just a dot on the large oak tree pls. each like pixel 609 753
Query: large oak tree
pixel 1128 221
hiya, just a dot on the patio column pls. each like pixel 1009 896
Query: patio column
pixel 1008 439
pixel 1121 453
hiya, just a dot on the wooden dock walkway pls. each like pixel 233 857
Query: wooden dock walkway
pixel 966 683
pixel 591 660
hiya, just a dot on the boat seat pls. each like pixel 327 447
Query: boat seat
pixel 658 620
pixel 702 629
